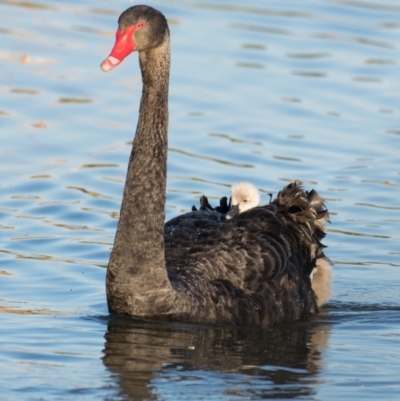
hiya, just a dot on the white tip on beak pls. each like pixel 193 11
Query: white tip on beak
pixel 109 63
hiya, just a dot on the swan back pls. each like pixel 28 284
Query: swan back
pixel 252 270
pixel 245 196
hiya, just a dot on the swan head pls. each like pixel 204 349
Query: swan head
pixel 244 197
pixel 139 28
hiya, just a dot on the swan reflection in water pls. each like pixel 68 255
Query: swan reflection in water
pixel 150 358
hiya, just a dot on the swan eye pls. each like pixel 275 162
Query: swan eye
pixel 245 201
pixel 141 24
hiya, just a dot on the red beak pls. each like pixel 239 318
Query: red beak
pixel 124 45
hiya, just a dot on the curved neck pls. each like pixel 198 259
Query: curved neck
pixel 137 261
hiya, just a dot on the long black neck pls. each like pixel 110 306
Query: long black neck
pixel 137 261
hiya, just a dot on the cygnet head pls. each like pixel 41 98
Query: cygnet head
pixel 245 196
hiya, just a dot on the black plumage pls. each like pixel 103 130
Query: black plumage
pixel 223 207
pixel 254 269
pixel 251 270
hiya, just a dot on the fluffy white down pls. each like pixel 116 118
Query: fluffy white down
pixel 245 195
pixel 321 278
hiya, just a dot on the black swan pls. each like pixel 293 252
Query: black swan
pixel 252 270
pixel 244 196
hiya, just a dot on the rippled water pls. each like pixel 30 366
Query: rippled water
pixel 260 91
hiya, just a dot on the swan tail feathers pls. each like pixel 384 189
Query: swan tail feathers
pixel 305 211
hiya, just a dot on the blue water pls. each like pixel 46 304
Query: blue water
pixel 265 92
